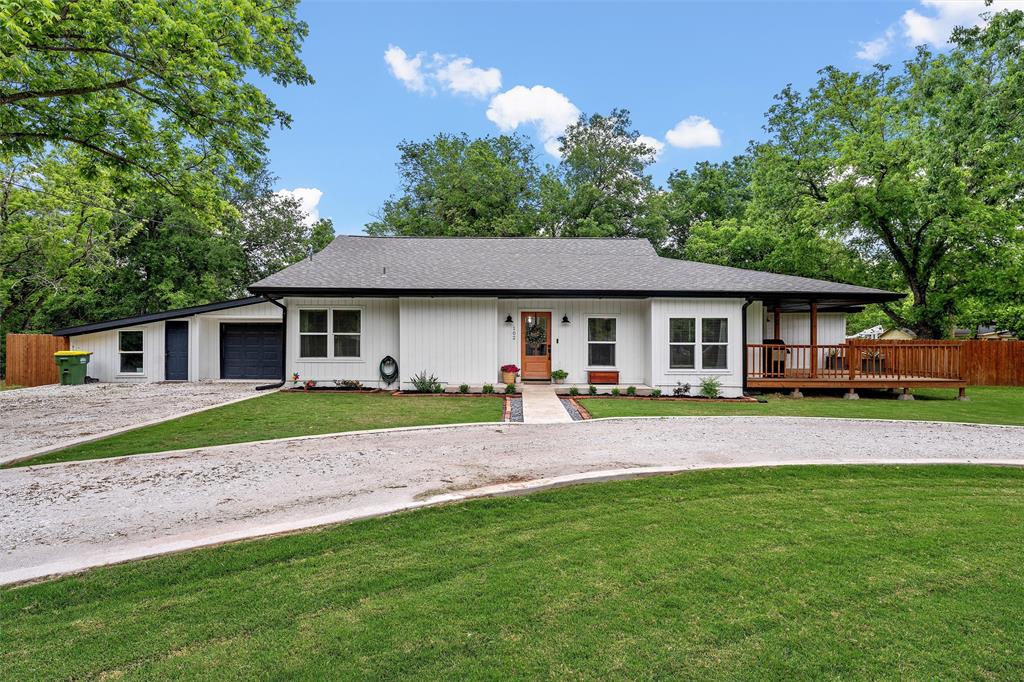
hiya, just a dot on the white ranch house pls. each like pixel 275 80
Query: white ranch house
pixel 606 311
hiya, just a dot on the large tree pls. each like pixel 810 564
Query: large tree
pixel 709 194
pixel 158 89
pixel 456 186
pixel 920 171
pixel 601 188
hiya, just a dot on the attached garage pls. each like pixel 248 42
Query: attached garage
pixel 238 339
pixel 250 351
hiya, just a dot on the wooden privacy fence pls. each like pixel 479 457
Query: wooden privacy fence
pixel 983 362
pixel 30 359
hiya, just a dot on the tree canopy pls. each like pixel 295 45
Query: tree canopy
pixel 155 88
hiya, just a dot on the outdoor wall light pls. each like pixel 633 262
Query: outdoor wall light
pixel 508 319
pixel 565 319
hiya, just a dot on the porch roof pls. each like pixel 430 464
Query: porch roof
pixel 507 267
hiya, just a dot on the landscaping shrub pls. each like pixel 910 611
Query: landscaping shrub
pixel 655 392
pixel 631 390
pixel 710 387
pixel 510 388
pixel 348 384
pixel 681 389
pixel 426 384
pixel 488 388
pixel 592 389
pixel 463 388
pixel 616 392
pixel 574 391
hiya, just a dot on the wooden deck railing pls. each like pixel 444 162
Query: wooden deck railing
pixel 859 359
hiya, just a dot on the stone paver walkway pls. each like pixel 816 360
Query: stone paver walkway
pixel 541 405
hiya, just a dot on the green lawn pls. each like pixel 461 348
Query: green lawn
pixel 789 573
pixel 987 405
pixel 282 415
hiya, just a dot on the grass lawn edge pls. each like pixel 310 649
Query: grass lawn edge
pixel 58 570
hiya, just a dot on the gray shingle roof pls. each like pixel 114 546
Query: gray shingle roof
pixel 493 266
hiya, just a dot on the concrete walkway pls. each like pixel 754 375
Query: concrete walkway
pixel 59 518
pixel 541 405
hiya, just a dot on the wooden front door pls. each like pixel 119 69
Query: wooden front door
pixel 536 345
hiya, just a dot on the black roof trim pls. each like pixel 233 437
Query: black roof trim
pixel 842 299
pixel 156 317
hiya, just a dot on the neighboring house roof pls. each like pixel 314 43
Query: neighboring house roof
pixel 452 266
pixel 156 317
pixel 869 333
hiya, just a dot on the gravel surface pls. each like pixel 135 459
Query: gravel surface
pixel 516 410
pixel 49 416
pixel 570 407
pixel 89 512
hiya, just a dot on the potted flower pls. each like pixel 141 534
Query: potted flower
pixel 559 376
pixel 508 374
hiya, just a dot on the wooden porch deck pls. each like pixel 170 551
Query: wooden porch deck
pixel 853 365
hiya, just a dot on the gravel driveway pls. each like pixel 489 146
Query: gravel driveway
pixel 50 416
pixel 60 517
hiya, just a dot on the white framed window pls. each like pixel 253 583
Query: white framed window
pixel 313 333
pixel 346 325
pixel 130 349
pixel 330 333
pixel 601 333
pixel 682 343
pixel 714 343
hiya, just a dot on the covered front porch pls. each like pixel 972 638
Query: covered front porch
pixel 852 365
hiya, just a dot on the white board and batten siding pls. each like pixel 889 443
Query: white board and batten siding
pixel 454 339
pixel 105 362
pixel 796 328
pixel 378 339
pixel 569 341
pixel 203 345
pixel 667 378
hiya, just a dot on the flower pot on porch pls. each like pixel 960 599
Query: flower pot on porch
pixel 508 377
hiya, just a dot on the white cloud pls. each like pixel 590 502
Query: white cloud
pixel 309 201
pixel 874 50
pixel 407 69
pixel 654 143
pixel 460 76
pixel 547 109
pixel 694 132
pixel 935 26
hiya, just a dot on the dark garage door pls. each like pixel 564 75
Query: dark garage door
pixel 250 351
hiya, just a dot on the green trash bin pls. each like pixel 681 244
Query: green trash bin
pixel 72 366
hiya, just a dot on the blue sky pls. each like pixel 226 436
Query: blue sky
pixel 706 71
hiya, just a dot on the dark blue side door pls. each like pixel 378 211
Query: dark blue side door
pixel 176 351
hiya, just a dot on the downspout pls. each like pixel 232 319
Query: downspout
pixel 743 345
pixel 284 345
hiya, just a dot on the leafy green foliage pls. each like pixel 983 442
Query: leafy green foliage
pixel 463 388
pixel 510 388
pixel 710 387
pixel 592 389
pixel 574 391
pixel 454 186
pixel 601 187
pixel 488 388
pixel 918 172
pixel 426 383
pixel 156 89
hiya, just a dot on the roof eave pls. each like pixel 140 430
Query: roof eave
pixel 851 298
pixel 119 323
